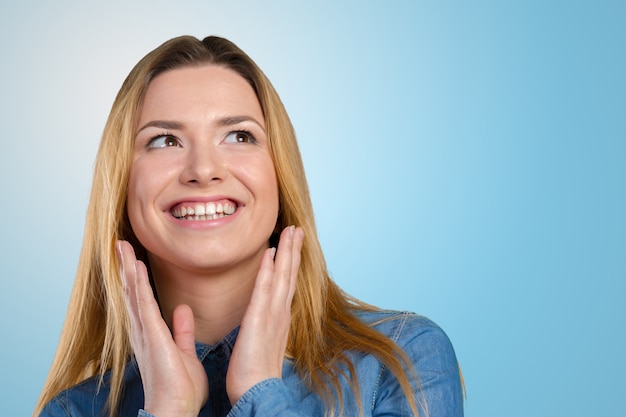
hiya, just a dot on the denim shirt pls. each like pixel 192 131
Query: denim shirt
pixel 427 346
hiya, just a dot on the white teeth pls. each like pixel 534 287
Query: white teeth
pixel 201 211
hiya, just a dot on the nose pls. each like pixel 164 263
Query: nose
pixel 203 166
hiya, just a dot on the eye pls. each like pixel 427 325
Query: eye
pixel 163 141
pixel 240 136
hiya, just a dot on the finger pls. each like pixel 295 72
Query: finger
pixel 296 249
pixel 283 264
pixel 183 328
pixel 128 273
pixel 152 325
pixel 274 285
pixel 263 284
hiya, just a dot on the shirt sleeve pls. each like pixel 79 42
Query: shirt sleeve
pixel 438 390
pixel 57 408
pixel 268 398
pixel 54 409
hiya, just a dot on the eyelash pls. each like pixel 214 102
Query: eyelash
pixel 169 136
pixel 166 136
pixel 251 138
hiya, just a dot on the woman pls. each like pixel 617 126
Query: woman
pixel 196 294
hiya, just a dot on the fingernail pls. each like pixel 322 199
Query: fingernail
pixel 291 230
pixel 272 252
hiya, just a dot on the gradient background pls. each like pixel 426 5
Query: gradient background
pixel 466 161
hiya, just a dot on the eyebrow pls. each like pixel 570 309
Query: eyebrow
pixel 234 120
pixel 163 124
pixel 224 121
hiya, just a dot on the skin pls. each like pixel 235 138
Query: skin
pixel 210 275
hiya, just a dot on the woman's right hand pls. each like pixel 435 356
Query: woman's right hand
pixel 174 381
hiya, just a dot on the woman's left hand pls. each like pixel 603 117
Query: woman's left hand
pixel 260 348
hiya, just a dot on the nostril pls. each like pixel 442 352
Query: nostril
pixel 201 166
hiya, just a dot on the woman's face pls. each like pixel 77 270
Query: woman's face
pixel 202 191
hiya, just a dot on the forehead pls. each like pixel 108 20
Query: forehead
pixel 208 91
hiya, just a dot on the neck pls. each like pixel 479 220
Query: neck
pixel 218 299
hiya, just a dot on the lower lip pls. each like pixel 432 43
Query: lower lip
pixel 205 224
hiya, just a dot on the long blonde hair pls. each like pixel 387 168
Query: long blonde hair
pixel 95 338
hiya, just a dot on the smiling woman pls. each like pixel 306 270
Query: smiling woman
pixel 202 287
pixel 217 156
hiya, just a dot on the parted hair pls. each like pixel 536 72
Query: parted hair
pixel 95 336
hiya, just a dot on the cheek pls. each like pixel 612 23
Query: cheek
pixel 147 178
pixel 268 185
pixel 141 187
pixel 258 175
pixel 133 202
pixel 260 179
pixel 270 181
pixel 273 202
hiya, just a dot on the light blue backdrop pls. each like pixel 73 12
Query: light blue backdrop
pixel 467 161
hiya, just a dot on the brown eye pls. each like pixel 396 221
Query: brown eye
pixel 163 141
pixel 239 137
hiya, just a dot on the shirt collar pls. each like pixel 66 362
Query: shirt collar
pixel 203 349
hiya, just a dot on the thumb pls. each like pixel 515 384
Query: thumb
pixel 184 329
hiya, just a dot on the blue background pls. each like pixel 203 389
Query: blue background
pixel 467 161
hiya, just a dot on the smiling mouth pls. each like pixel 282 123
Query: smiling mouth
pixel 203 211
